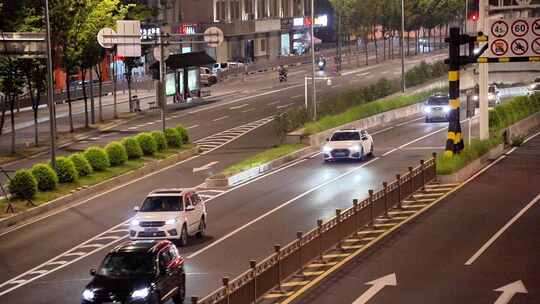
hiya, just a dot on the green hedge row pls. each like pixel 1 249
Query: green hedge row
pixel 42 177
pixel 500 118
pixel 295 118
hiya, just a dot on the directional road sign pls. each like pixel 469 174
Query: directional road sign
pixel 213 36
pixel 518 37
pixel 129 38
pixel 106 37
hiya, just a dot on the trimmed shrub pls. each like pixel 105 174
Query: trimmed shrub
pixel 183 133
pixel 45 176
pixel 117 153
pixel 147 143
pixel 160 139
pixel 65 170
pixel 97 157
pixel 174 139
pixel 81 164
pixel 133 149
pixel 23 184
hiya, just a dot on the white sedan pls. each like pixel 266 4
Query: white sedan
pixel 348 144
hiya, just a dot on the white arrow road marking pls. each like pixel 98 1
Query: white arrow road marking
pixel 239 107
pixel 508 291
pixel 205 167
pixel 377 285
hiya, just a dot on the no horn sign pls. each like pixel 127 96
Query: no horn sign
pixel 518 37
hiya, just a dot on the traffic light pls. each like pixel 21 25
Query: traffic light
pixel 473 16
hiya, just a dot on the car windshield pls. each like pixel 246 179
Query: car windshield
pixel 343 136
pixel 437 101
pixel 127 264
pixel 162 203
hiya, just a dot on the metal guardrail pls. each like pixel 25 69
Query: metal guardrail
pixel 268 274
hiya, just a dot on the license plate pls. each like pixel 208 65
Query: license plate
pixel 150 229
pixel 339 154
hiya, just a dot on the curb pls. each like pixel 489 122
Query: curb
pixel 107 184
pixel 243 176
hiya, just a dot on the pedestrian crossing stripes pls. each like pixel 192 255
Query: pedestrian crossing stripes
pixel 215 141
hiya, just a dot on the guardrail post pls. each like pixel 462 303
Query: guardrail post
pixel 412 181
pixel 194 300
pixel 299 236
pixel 434 155
pixel 340 229
pixel 422 165
pixel 371 207
pixel 277 249
pixel 225 282
pixel 385 189
pixel 355 208
pixel 253 266
pixel 320 232
pixel 399 197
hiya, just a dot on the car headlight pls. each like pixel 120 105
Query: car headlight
pixel 326 149
pixel 446 109
pixel 170 222
pixel 88 295
pixel 135 222
pixel 427 109
pixel 140 293
pixel 491 96
pixel 355 148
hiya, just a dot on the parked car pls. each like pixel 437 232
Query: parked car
pixel 348 144
pixel 225 66
pixel 437 107
pixel 207 77
pixel 174 214
pixel 533 88
pixel 138 272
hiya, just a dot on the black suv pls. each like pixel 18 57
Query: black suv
pixel 138 272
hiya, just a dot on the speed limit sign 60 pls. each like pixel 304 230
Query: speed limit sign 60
pixel 520 28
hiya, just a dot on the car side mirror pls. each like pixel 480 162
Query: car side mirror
pixel 190 208
pixel 136 208
pixel 93 272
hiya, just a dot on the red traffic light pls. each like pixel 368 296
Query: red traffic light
pixel 473 16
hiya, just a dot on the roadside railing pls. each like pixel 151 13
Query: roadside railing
pixel 286 261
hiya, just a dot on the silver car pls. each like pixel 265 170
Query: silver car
pixel 437 108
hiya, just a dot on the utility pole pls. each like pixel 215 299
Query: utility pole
pixel 161 90
pixel 313 61
pixel 402 46
pixel 115 113
pixel 338 47
pixel 50 92
pixel 483 75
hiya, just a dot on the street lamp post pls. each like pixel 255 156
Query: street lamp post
pixel 50 93
pixel 402 46
pixel 313 60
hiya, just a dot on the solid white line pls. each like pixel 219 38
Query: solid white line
pixel 221 118
pixel 390 152
pixel 284 106
pixel 501 231
pixel 383 130
pixel 409 121
pixel 364 74
pixel 273 103
pixel 277 208
pixel 193 127
pixel 248 110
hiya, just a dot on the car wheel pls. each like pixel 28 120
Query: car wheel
pixel 202 227
pixel 183 241
pixel 180 295
pixel 428 120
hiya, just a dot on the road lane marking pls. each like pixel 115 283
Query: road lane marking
pixel 376 286
pixel 491 240
pixel 205 167
pixel 221 118
pixel 284 106
pixel 273 103
pixel 245 98
pixel 363 74
pixel 294 283
pixel 220 240
pixel 297 96
pixel 193 127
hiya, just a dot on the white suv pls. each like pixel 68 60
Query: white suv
pixel 348 144
pixel 172 214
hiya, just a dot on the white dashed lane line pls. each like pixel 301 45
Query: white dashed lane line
pixel 221 118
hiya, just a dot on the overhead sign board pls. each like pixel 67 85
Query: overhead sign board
pixel 518 37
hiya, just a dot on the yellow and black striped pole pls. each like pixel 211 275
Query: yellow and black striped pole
pixel 454 141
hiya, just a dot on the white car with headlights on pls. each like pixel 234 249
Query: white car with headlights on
pixel 437 108
pixel 173 214
pixel 348 144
